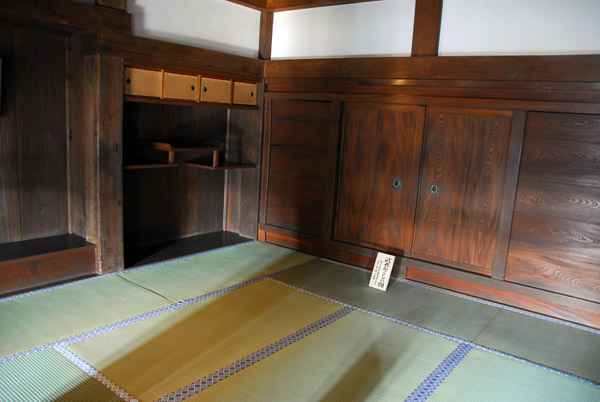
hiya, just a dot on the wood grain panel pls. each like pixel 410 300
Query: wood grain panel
pixel 10 212
pixel 555 239
pixel 465 154
pixel 301 161
pixel 244 145
pixel 299 123
pixel 41 129
pixel 297 188
pixel 381 143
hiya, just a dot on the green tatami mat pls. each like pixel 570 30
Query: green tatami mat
pixel 568 349
pixel 48 376
pixel 157 356
pixel 420 306
pixel 36 320
pixel 357 358
pixel 188 278
pixel 486 377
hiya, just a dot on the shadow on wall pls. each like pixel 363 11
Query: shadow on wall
pixel 192 25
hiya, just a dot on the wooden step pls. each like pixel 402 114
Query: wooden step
pixel 37 262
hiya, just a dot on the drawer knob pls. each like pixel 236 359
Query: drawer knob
pixel 128 80
pixel 205 89
pixel 434 188
pixel 252 94
pixel 193 88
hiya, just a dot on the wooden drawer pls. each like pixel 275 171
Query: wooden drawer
pixel 245 93
pixel 142 82
pixel 181 86
pixel 215 90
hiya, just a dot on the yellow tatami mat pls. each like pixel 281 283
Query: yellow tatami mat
pixel 159 355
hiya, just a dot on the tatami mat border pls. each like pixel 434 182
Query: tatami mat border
pixel 482 301
pixel 437 376
pixel 254 358
pixel 153 313
pixel 92 372
pixel 64 285
pixel 445 336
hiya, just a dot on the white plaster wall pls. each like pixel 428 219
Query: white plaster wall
pixel 210 24
pixel 520 27
pixel 379 28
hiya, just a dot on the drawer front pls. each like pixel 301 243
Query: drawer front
pixel 141 82
pixel 244 93
pixel 180 86
pixel 215 90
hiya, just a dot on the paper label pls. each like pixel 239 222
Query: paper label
pixel 382 271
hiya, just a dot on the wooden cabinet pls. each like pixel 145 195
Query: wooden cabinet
pixel 215 90
pixel 181 86
pixel 142 82
pixel 461 188
pixel 244 93
pixel 379 175
pixel 301 155
pixel 555 239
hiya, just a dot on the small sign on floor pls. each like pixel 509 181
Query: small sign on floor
pixel 382 271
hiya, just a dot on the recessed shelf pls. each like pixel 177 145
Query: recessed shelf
pixel 224 165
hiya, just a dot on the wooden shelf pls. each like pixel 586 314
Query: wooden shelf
pixel 143 99
pixel 226 165
pixel 145 163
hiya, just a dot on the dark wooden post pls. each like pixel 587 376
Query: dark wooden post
pixel 266 35
pixel 426 32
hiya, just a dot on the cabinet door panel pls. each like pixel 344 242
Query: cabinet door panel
pixel 460 193
pixel 301 165
pixel 181 86
pixel 142 82
pixel 382 145
pixel 555 237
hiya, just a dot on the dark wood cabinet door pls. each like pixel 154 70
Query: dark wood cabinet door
pixel 301 161
pixel 462 181
pixel 555 239
pixel 379 175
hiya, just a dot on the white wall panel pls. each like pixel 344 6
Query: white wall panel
pixel 520 27
pixel 379 28
pixel 210 24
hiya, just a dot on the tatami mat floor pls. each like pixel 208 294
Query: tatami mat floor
pixel 257 322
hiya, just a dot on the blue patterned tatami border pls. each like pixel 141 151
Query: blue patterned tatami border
pixel 437 376
pixel 220 375
pixel 482 301
pixel 442 335
pixel 92 372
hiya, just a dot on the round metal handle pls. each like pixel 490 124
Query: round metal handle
pixel 397 183
pixel 434 188
pixel 128 80
pixel 205 89
pixel 252 94
pixel 193 88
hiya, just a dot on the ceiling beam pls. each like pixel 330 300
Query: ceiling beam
pixel 285 5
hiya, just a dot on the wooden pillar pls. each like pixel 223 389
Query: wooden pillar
pixel 103 125
pixel 266 35
pixel 426 32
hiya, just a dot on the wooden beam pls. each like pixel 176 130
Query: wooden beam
pixel 266 35
pixel 426 32
pixel 69 16
pixel 583 68
pixel 116 4
pixel 284 5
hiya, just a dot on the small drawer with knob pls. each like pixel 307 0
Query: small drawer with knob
pixel 181 86
pixel 244 93
pixel 215 90
pixel 142 82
